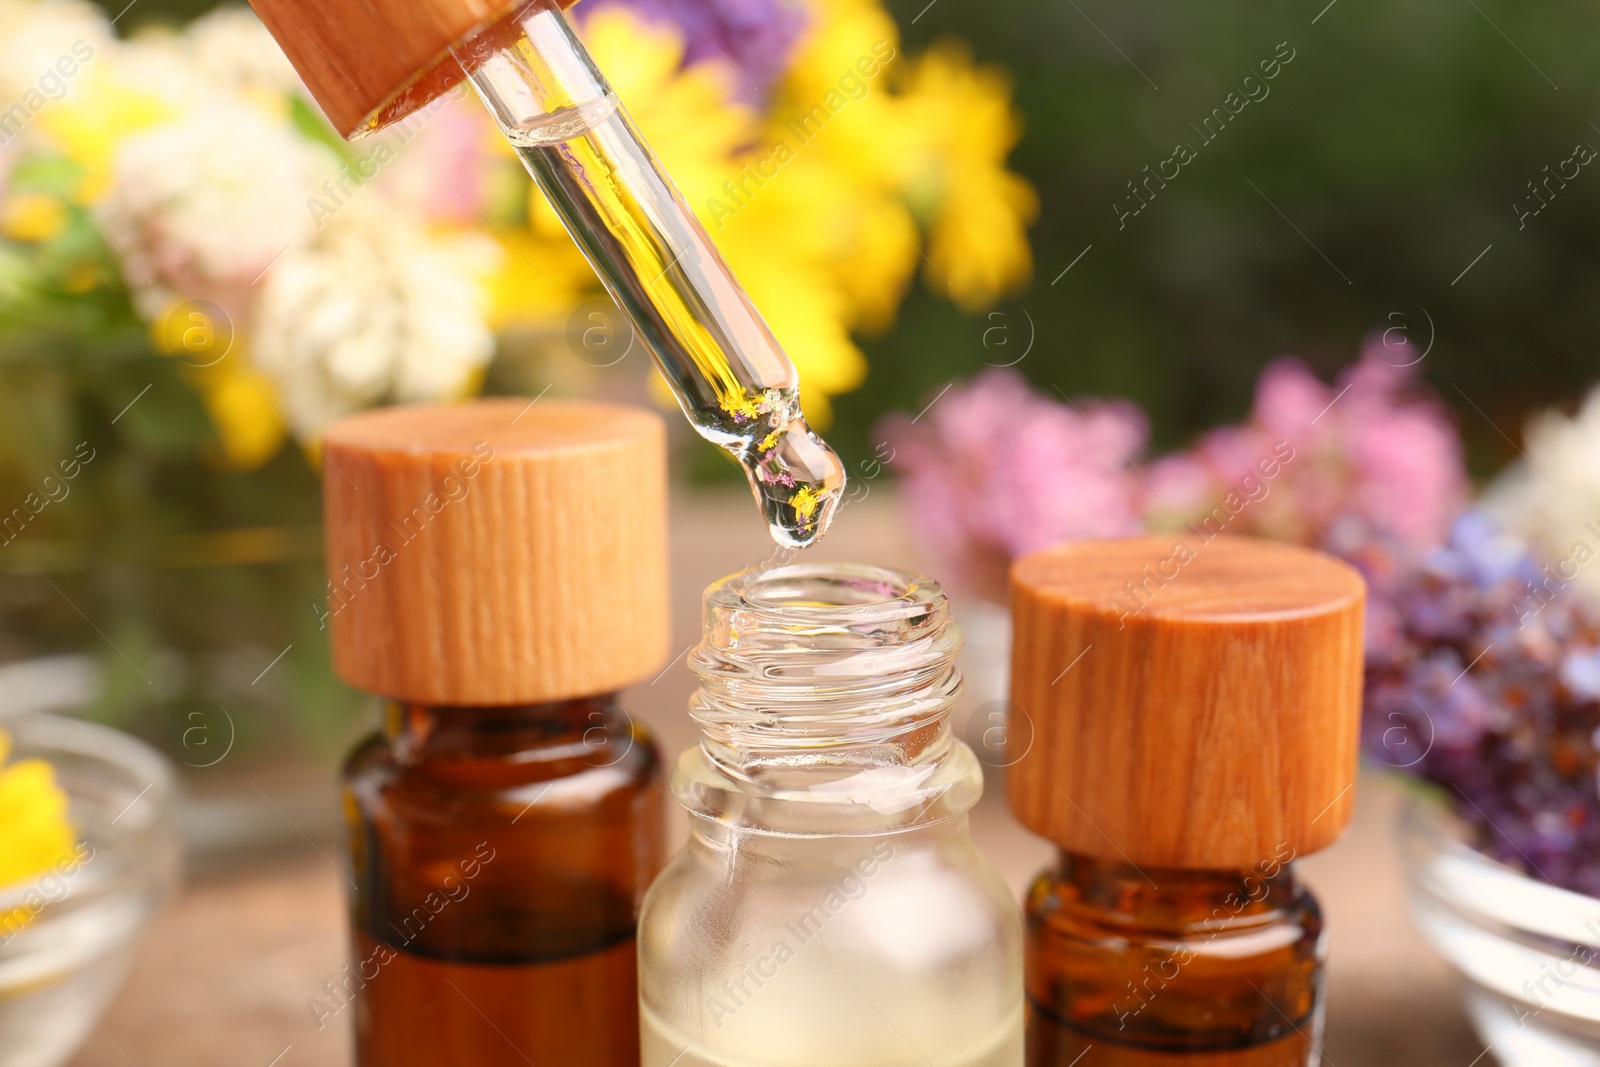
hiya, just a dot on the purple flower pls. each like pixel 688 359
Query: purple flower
pixel 1580 673
pixel 757 37
pixel 1486 691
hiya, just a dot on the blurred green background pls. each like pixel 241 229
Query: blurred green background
pixel 1396 141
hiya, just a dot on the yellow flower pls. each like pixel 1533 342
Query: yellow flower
pixel 540 275
pixel 89 124
pixel 829 211
pixel 794 246
pixel 840 33
pixel 805 502
pixel 691 118
pixel 35 834
pixel 248 424
pixel 977 210
pixel 237 397
pixel 33 217
pixel 830 202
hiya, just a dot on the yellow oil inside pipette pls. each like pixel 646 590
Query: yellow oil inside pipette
pixel 729 374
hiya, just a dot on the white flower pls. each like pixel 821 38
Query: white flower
pixel 202 205
pixel 159 64
pixel 226 52
pixel 1553 497
pixel 37 35
pixel 231 47
pixel 375 310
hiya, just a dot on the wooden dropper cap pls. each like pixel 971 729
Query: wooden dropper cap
pixel 372 62
pixel 497 552
pixel 1194 704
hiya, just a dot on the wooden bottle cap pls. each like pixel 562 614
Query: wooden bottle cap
pixel 372 62
pixel 1194 703
pixel 497 552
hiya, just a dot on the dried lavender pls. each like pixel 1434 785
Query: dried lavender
pixel 1483 677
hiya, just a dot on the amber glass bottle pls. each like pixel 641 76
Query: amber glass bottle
pixel 1193 705
pixel 1127 971
pixel 497 573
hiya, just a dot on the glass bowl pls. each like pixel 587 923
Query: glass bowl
pixel 68 937
pixel 1529 952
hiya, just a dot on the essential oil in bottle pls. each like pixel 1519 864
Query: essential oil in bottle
pixel 1194 706
pixel 829 907
pixel 497 573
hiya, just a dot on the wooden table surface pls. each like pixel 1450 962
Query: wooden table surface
pixel 226 974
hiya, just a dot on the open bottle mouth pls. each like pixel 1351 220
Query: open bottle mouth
pixel 844 606
pixel 791 650
pixel 828 681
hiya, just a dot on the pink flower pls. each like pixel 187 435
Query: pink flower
pixel 1183 485
pixel 1289 397
pixel 993 470
pixel 1378 445
pixel 442 163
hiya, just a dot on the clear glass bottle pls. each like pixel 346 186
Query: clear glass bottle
pixel 499 856
pixel 1142 967
pixel 829 907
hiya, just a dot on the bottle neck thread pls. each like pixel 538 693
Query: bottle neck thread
pixel 821 665
pixel 830 684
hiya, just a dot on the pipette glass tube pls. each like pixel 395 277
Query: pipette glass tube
pixel 730 375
